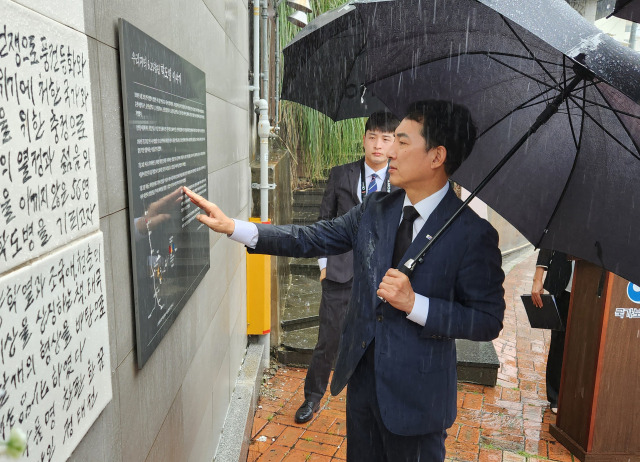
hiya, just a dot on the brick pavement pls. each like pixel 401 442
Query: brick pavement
pixel 506 423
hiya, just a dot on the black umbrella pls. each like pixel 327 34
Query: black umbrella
pixel 323 67
pixel 627 9
pixel 544 86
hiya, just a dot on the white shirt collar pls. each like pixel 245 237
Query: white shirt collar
pixel 427 205
pixel 382 173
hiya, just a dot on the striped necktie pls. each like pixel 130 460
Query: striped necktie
pixel 373 186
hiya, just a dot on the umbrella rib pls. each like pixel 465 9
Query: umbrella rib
pixel 528 50
pixel 573 168
pixel 621 123
pixel 566 101
pixel 609 133
pixel 524 105
pixel 541 82
pixel 617 112
pixel 485 53
pixel 344 89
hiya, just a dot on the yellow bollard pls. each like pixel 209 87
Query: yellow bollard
pixel 258 292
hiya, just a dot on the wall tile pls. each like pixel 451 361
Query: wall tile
pixel 123 305
pixel 216 7
pixel 112 125
pixel 77 15
pixel 169 445
pixel 196 390
pixel 204 443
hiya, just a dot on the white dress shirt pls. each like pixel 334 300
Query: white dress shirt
pixel 427 205
pixel 247 233
pixel 368 171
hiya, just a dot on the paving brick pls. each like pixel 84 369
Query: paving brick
pixel 342 451
pixel 324 438
pixel 253 455
pixel 469 434
pixel 322 423
pixel 472 401
pixel 272 430
pixel 339 427
pixel 274 454
pixel 490 455
pixel 289 436
pixel 316 448
pixel 258 424
pixel 511 457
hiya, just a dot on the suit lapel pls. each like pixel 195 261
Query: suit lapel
pixel 445 209
pixel 388 230
pixel 352 177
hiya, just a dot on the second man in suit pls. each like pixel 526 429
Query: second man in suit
pixel 347 186
pixel 558 283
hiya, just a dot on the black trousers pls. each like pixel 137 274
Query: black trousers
pixel 333 307
pixel 368 440
pixel 556 351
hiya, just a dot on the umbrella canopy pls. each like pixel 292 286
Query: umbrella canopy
pixel 627 9
pixel 572 185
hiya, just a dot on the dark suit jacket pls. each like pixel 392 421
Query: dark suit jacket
pixel 558 270
pixel 415 366
pixel 341 195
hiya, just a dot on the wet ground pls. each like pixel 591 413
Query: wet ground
pixel 506 423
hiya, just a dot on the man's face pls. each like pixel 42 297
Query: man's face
pixel 410 166
pixel 376 146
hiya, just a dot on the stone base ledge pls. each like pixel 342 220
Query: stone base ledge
pixel 236 432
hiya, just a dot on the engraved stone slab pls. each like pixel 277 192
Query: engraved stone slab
pixel 54 348
pixel 48 187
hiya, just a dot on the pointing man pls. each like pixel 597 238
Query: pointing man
pixel 398 355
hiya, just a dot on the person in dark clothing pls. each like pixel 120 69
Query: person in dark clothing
pixel 347 186
pixel 558 283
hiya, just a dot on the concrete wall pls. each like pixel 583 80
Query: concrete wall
pixel 174 408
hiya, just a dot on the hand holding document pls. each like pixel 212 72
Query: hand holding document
pixel 545 317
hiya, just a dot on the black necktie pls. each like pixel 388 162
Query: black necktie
pixel 405 234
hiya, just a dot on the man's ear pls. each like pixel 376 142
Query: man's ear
pixel 439 157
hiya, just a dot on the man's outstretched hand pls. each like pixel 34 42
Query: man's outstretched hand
pixel 396 289
pixel 213 217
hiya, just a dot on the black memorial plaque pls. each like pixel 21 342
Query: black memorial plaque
pixel 166 145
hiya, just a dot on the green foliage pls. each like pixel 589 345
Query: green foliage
pixel 318 142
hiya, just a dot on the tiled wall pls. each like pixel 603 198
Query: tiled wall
pixel 174 408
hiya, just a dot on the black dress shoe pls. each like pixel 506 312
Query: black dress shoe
pixel 305 412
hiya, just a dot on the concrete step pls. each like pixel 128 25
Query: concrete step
pixel 315 208
pixel 305 218
pixel 477 361
pixel 305 267
pixel 302 300
pixel 297 346
pixel 308 196
pixel 300 323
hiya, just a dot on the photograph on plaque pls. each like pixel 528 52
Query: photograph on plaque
pixel 164 101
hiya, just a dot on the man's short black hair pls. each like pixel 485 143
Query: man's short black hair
pixel 382 121
pixel 445 124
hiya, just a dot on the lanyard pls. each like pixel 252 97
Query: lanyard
pixel 363 184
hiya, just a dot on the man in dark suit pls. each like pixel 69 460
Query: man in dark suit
pixel 397 351
pixel 557 283
pixel 347 186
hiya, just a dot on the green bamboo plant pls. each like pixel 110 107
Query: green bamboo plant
pixel 313 138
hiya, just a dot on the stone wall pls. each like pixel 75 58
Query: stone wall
pixel 174 408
